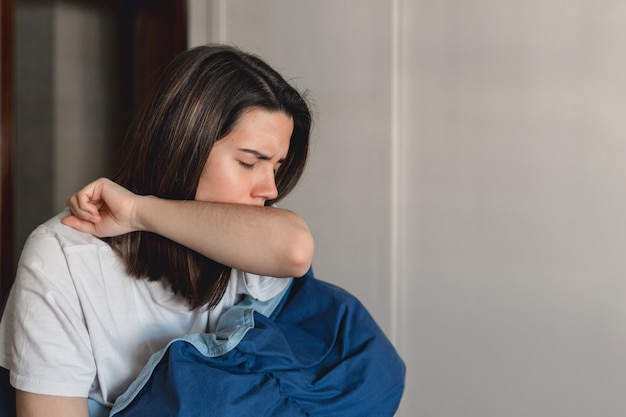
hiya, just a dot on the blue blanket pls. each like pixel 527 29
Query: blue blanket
pixel 315 351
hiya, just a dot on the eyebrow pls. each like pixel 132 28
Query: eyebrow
pixel 259 155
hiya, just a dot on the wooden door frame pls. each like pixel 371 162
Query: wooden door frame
pixel 157 32
pixel 7 22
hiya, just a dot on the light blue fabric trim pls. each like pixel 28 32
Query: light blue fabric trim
pixel 96 409
pixel 231 328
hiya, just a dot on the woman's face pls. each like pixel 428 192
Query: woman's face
pixel 241 166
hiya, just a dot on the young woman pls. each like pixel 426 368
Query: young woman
pixel 160 253
pixel 221 140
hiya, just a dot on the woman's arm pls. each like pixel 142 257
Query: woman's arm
pixel 37 405
pixel 261 240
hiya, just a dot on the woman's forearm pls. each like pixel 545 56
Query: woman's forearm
pixel 260 240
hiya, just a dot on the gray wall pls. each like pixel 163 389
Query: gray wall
pixel 85 122
pixel 467 183
pixel 513 281
pixel 65 122
pixel 33 117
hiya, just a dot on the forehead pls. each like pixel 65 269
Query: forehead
pixel 268 132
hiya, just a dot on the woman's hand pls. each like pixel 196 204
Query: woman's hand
pixel 103 208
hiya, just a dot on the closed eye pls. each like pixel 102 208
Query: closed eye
pixel 246 165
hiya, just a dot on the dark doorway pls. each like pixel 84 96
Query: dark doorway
pixel 137 37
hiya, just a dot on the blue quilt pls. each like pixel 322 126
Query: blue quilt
pixel 314 351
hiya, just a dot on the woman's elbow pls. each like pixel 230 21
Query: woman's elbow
pixel 300 252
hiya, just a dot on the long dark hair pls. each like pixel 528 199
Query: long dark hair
pixel 200 97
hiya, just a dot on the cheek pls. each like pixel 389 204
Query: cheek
pixel 206 185
pixel 217 184
pixel 202 192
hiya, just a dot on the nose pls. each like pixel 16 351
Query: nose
pixel 265 187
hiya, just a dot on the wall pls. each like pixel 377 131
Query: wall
pixel 33 117
pixel 513 136
pixel 65 120
pixel 85 118
pixel 467 184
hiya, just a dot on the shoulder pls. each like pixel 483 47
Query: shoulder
pixel 64 235
pixel 52 241
pixel 54 250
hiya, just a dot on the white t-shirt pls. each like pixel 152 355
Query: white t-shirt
pixel 76 324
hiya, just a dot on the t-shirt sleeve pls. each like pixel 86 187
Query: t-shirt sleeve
pixel 44 341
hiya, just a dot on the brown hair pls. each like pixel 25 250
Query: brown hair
pixel 200 97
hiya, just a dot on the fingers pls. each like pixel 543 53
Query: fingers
pixel 80 225
pixel 86 203
pixel 102 208
pixel 82 209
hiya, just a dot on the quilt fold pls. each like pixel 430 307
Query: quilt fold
pixel 312 351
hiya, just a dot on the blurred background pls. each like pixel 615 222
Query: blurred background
pixel 466 180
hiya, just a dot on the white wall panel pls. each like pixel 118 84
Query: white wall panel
pixel 514 137
pixel 83 98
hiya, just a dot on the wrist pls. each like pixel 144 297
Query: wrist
pixel 139 213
